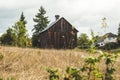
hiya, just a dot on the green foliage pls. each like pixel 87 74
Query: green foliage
pixel 91 69
pixel 118 38
pixel 73 73
pixel 97 38
pixel 22 18
pixel 104 24
pixel 92 47
pixel 20 32
pixel 91 62
pixel 16 35
pixel 1 79
pixel 35 42
pixel 116 51
pixel 11 78
pixel 83 41
pixel 110 46
pixel 1 56
pixel 41 22
pixel 110 60
pixel 9 38
pixel 53 74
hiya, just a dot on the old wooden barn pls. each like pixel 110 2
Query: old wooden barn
pixel 59 34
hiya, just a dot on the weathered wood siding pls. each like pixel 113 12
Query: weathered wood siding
pixel 60 35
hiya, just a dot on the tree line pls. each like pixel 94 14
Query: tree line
pixel 85 43
pixel 16 35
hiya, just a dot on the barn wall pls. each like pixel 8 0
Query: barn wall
pixel 60 35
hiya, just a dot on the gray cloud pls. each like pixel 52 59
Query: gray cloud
pixel 7 18
pixel 83 14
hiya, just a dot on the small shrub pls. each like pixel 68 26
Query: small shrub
pixel 53 74
pixel 110 60
pixel 1 56
pixel 110 46
pixel 91 66
pixel 72 73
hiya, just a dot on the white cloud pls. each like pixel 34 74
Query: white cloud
pixel 83 14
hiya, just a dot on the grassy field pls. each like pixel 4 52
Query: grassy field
pixel 30 64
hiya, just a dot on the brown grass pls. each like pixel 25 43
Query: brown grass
pixel 30 64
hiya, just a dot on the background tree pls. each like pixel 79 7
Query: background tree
pixel 22 18
pixel 8 38
pixel 20 32
pixel 83 41
pixel 41 22
pixel 104 24
pixel 118 34
pixel 16 35
pixel 97 38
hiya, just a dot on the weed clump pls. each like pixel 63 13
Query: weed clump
pixel 1 56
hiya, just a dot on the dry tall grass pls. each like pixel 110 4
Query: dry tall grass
pixel 30 64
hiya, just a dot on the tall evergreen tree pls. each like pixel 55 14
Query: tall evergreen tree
pixel 20 31
pixel 41 22
pixel 22 18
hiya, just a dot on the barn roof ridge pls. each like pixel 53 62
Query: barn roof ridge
pixel 50 25
pixel 54 22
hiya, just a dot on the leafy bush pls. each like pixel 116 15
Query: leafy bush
pixel 110 46
pixel 83 41
pixel 91 68
pixel 72 73
pixel 110 60
pixel 53 74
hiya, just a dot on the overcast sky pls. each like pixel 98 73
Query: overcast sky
pixel 83 14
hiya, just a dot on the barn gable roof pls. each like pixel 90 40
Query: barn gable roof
pixel 49 26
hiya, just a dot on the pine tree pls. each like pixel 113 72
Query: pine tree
pixel 22 18
pixel 41 22
pixel 20 31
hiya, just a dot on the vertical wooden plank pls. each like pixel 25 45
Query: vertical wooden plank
pixel 61 25
pixel 57 39
pixel 54 39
